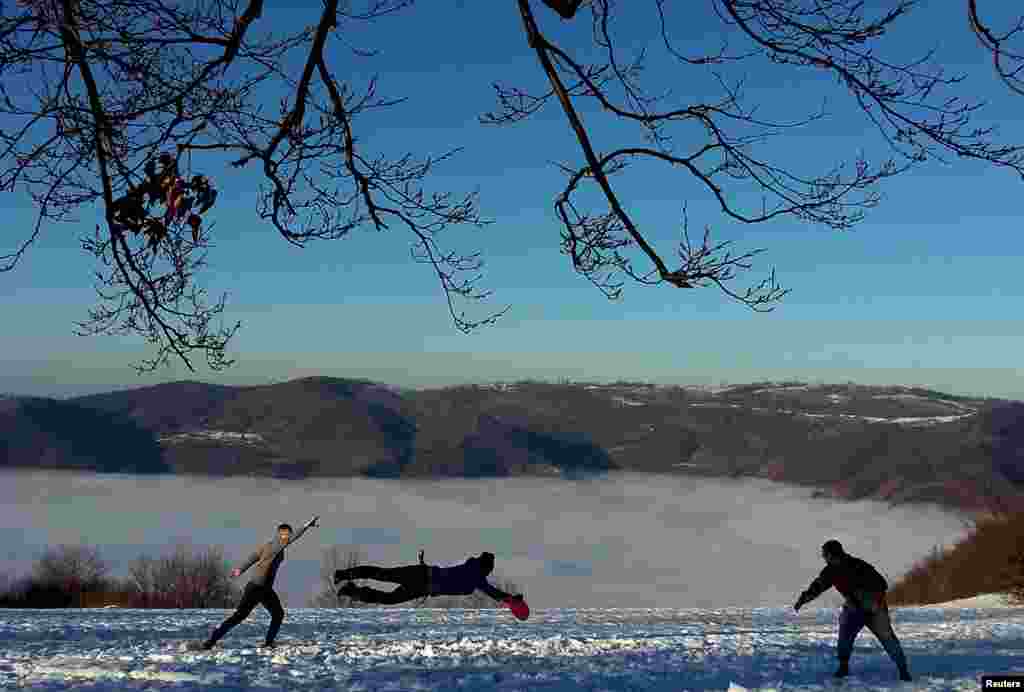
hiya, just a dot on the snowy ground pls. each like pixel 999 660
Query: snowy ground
pixel 557 650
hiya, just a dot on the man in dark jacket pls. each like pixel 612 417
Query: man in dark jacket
pixel 422 580
pixel 260 589
pixel 864 589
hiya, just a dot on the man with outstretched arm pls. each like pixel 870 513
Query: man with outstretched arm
pixel 422 580
pixel 864 589
pixel 260 589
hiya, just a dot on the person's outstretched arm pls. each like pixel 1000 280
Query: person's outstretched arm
pixel 494 592
pixel 270 545
pixel 310 524
pixel 820 585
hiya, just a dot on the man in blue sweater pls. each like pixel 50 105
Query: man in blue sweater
pixel 422 580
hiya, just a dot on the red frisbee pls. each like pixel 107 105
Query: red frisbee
pixel 518 607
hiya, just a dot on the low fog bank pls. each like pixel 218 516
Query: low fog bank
pixel 627 540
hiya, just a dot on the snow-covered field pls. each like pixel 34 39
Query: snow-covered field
pixel 949 648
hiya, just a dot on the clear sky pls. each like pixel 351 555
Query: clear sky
pixel 626 541
pixel 925 291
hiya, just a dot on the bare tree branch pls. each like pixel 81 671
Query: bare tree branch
pixel 130 90
pixel 1009 65
pixel 594 243
pixel 110 104
pixel 902 100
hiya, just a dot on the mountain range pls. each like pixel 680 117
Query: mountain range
pixel 895 444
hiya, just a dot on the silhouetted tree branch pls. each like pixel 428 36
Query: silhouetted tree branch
pixel 112 103
pixel 1008 63
pixel 901 99
pixel 119 84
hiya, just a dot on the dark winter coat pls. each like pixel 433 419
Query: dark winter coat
pixel 855 579
pixel 462 580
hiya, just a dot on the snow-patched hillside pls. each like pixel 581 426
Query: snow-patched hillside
pixel 560 650
pixel 800 400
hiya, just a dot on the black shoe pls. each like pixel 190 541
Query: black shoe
pixel 207 645
pixel 905 675
pixel 842 671
pixel 268 645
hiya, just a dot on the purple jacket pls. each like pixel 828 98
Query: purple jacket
pixel 462 580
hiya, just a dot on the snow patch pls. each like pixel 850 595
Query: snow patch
pixel 711 388
pixel 909 421
pixel 987 600
pixel 498 386
pixel 930 420
pixel 904 396
pixel 628 402
pixel 918 397
pixel 783 388
pixel 213 435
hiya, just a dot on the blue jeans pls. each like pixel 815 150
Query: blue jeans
pixel 853 620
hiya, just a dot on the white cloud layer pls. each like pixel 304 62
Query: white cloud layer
pixel 629 540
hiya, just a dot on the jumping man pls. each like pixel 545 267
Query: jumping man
pixel 422 580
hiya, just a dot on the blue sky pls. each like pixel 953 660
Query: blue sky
pixel 925 291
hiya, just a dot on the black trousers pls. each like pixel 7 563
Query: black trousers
pixel 853 620
pixel 254 595
pixel 411 580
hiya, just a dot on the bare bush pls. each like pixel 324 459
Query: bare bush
pixel 989 559
pixel 184 580
pixel 63 577
pixel 72 568
pixel 29 592
pixel 334 558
